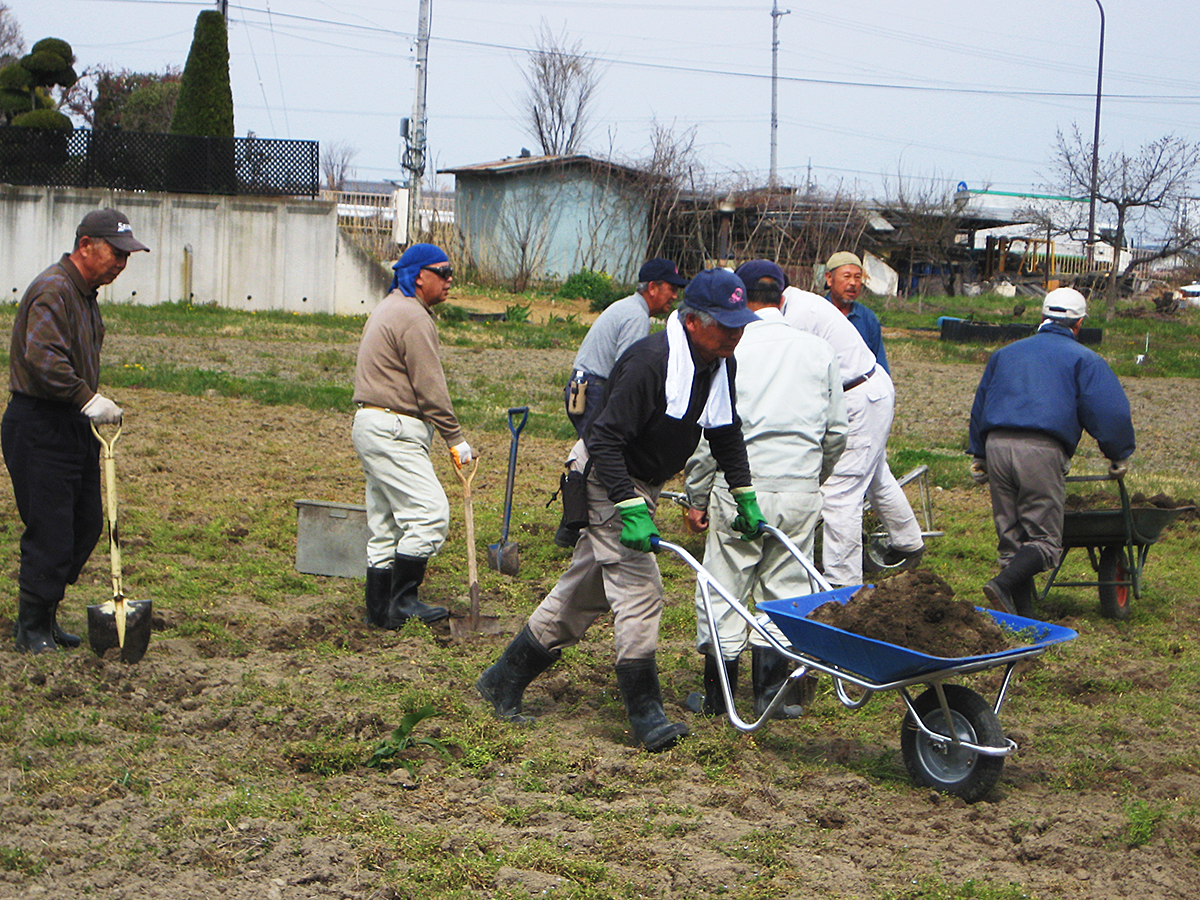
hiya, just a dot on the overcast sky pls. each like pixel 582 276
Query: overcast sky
pixel 868 90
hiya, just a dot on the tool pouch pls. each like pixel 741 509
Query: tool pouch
pixel 573 486
pixel 577 397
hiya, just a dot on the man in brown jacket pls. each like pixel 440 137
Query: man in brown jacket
pixel 402 398
pixel 52 457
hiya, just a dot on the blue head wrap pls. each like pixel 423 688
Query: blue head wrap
pixel 415 258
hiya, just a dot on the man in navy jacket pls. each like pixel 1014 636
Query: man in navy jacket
pixel 1035 399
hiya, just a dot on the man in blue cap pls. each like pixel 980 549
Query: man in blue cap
pixel 402 397
pixel 789 397
pixel 665 391
pixel 619 327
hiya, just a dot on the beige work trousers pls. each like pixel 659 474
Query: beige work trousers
pixel 603 576
pixel 407 510
pixel 761 569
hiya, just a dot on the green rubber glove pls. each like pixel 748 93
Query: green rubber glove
pixel 749 520
pixel 636 525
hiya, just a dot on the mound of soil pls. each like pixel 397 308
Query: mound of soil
pixel 1108 500
pixel 917 610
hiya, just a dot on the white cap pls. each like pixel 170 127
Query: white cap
pixel 1064 303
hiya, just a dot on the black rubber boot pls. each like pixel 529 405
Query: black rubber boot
pixel 35 624
pixel 1024 596
pixel 1003 590
pixel 378 595
pixel 712 701
pixel 64 638
pixel 503 683
pixel 407 574
pixel 638 680
pixel 770 671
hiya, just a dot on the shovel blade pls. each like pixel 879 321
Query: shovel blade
pixel 120 623
pixel 467 626
pixel 504 558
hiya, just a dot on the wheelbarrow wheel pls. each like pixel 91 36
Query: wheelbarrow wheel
pixel 942 766
pixel 1114 596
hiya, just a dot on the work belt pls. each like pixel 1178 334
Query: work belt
pixel 394 412
pixel 855 382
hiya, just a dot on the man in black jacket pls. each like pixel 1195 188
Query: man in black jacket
pixel 665 391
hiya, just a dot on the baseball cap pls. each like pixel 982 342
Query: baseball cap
pixel 113 226
pixel 722 295
pixel 754 270
pixel 659 269
pixel 842 258
pixel 1064 303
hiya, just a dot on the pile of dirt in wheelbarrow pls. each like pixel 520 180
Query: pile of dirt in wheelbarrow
pixel 1102 500
pixel 917 610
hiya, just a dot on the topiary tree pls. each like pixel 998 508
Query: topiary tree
pixel 25 85
pixel 205 104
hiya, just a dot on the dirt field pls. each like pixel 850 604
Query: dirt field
pixel 199 772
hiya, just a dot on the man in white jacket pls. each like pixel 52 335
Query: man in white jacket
pixel 789 395
pixel 863 471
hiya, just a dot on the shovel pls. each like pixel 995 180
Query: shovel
pixel 503 556
pixel 475 623
pixel 117 622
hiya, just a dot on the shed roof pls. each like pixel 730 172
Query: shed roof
pixel 517 164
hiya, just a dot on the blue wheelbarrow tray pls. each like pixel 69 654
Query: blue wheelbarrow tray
pixel 886 664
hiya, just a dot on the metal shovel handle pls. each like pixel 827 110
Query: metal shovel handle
pixel 515 431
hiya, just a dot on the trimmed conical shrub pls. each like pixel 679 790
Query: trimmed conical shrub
pixel 205 105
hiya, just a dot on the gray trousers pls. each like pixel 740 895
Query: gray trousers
pixel 604 576
pixel 1027 472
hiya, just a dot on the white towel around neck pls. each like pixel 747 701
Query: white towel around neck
pixel 718 409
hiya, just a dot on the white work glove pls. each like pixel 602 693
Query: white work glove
pixel 1118 467
pixel 102 411
pixel 461 453
pixel 979 473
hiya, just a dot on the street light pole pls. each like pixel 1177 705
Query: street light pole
pixel 776 12
pixel 1091 247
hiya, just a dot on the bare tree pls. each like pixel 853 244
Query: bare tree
pixel 1136 188
pixel 561 83
pixel 928 217
pixel 121 100
pixel 336 168
pixel 12 43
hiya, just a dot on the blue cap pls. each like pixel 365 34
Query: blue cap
pixel 751 272
pixel 722 295
pixel 659 269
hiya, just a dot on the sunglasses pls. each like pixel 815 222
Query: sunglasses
pixel 443 272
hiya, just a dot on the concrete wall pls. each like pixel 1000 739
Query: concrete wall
pixel 251 253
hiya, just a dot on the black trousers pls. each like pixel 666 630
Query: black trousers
pixel 54 462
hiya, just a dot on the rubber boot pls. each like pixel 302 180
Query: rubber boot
pixel 770 671
pixel 712 701
pixel 638 680
pixel 503 683
pixel 35 624
pixel 378 594
pixel 1024 596
pixel 407 574
pixel 64 638
pixel 1002 591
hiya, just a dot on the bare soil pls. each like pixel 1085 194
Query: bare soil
pixel 193 773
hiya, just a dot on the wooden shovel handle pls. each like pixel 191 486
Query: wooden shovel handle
pixel 469 517
pixel 110 507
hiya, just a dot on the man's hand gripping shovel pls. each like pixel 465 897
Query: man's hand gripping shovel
pixel 117 622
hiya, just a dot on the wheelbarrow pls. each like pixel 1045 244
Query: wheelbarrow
pixel 1117 542
pixel 951 738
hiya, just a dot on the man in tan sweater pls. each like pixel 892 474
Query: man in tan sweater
pixel 402 398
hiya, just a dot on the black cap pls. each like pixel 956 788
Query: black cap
pixel 113 226
pixel 659 269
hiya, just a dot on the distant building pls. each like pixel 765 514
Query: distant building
pixel 542 218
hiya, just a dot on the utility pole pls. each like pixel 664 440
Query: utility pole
pixel 223 5
pixel 414 152
pixel 776 13
pixel 1091 245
